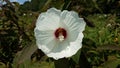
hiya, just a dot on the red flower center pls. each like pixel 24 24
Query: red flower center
pixel 60 32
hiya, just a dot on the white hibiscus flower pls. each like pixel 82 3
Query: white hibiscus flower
pixel 59 33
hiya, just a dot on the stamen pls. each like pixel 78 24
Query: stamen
pixel 61 38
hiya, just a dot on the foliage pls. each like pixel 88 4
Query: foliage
pixel 101 44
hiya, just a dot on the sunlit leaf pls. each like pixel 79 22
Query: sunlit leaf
pixel 2 65
pixel 111 64
pixel 25 53
pixel 42 64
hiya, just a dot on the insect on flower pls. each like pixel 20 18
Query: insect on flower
pixel 59 33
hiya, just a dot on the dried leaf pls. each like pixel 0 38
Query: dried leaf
pixel 108 47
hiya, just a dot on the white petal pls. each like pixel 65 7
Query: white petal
pixel 48 20
pixel 82 24
pixel 59 50
pixel 68 50
pixel 75 45
pixel 72 23
pixel 45 40
pixel 61 46
pixel 72 20
pixel 48 47
pixel 54 10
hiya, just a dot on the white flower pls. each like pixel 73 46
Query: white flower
pixel 59 33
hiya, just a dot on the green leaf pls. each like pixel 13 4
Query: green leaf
pixel 25 53
pixel 111 64
pixel 2 65
pixel 66 4
pixel 46 5
pixel 76 57
pixel 37 64
pixel 46 65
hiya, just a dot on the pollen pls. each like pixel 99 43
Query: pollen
pixel 61 34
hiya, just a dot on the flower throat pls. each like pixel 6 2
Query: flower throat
pixel 61 34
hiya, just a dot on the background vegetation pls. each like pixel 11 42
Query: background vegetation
pixel 101 44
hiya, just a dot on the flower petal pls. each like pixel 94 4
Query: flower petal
pixel 75 45
pixel 54 10
pixel 72 20
pixel 72 23
pixel 59 50
pixel 48 47
pixel 45 40
pixel 45 20
pixel 47 24
pixel 68 49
